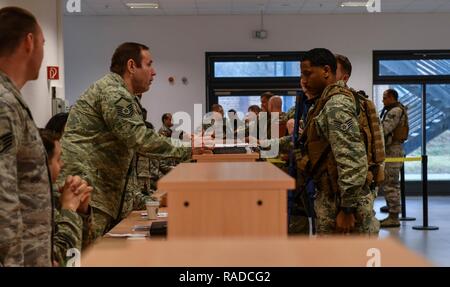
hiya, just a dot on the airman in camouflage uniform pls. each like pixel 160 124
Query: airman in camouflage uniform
pixel 334 153
pixel 343 73
pixel 104 130
pixel 392 116
pixel 166 130
pixel 72 213
pixel 25 192
pixel 70 228
pixel 26 202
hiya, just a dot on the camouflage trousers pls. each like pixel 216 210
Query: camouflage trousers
pixel 326 206
pixel 299 221
pixel 391 185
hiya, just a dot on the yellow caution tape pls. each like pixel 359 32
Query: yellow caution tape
pixel 403 159
pixel 390 159
pixel 276 161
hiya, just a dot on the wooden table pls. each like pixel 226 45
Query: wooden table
pixel 342 251
pixel 244 157
pixel 227 199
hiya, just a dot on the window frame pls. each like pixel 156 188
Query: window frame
pixel 423 80
pixel 380 55
pixel 247 84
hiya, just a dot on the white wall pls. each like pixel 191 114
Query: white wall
pixel 36 93
pixel 179 43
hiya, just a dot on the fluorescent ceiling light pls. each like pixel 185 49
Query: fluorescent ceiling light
pixel 355 4
pixel 143 5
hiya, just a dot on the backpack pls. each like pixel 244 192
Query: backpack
pixel 370 130
pixel 371 133
pixel 401 132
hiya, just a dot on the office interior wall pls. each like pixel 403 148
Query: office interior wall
pixel 179 43
pixel 37 93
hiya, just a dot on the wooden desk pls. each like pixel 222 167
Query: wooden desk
pixel 343 251
pixel 227 199
pixel 244 157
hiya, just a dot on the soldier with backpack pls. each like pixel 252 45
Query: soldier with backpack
pixel 369 123
pixel 371 133
pixel 333 150
pixel 394 118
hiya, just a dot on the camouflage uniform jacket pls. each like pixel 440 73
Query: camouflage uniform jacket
pixel 25 191
pixel 290 114
pixel 337 124
pixel 104 130
pixel 165 131
pixel 390 119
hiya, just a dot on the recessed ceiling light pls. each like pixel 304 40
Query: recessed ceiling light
pixel 142 5
pixel 355 4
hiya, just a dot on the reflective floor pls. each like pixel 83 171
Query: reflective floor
pixel 434 245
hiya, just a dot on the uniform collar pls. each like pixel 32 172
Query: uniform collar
pixel 341 83
pixel 391 106
pixel 120 80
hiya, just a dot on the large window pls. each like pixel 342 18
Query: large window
pixel 419 75
pixel 237 80
pixel 256 69
pixel 240 103
pixel 414 67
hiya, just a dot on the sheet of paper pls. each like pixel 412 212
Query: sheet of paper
pixel 126 235
pixel 160 214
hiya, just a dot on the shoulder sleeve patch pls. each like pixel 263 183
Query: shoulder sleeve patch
pixel 343 126
pixel 124 108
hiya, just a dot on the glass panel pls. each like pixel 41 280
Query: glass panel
pixel 411 97
pixel 241 103
pixel 414 67
pixel 256 69
pixel 438 133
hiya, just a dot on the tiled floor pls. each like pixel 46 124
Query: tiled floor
pixel 434 245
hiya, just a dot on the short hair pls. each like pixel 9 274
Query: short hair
pixel 267 95
pixel 232 111
pixel 276 102
pixel 57 123
pixel 345 63
pixel 321 57
pixel 393 93
pixel 124 53
pixel 216 108
pixel 166 116
pixel 15 24
pixel 254 108
pixel 49 138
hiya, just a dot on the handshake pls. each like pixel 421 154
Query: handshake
pixel 202 144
